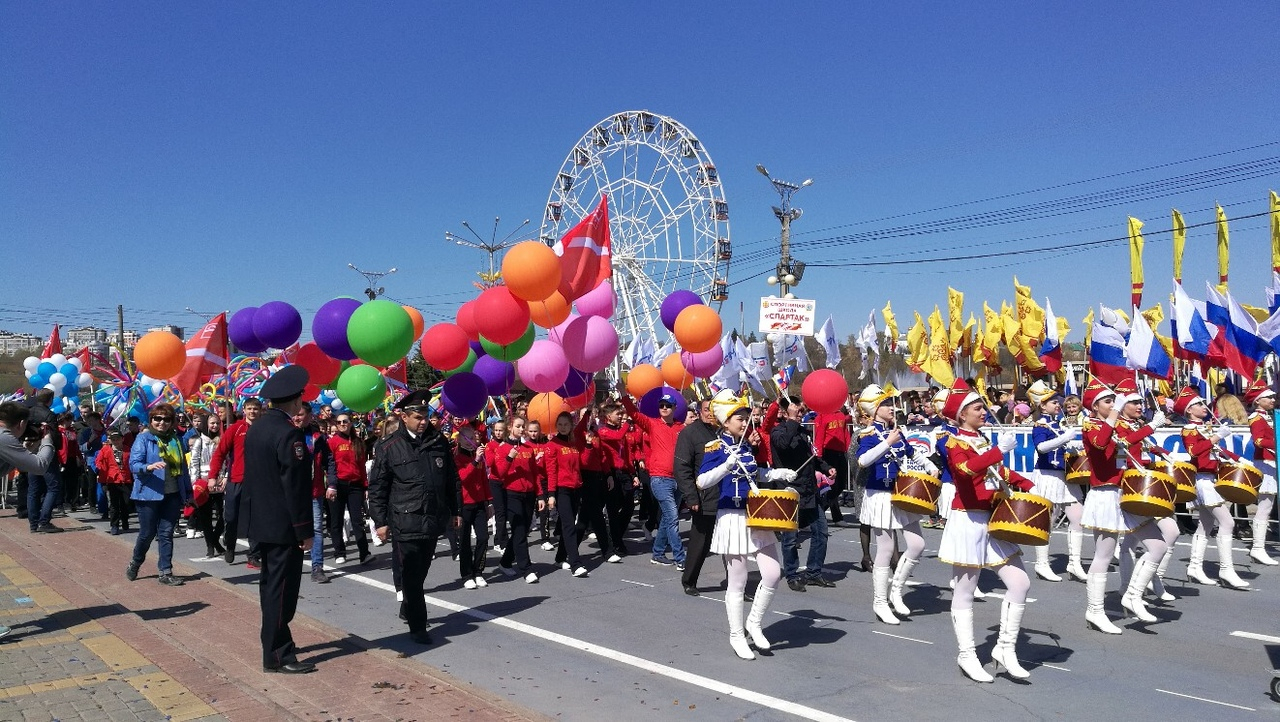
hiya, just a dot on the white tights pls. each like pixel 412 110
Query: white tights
pixel 1104 545
pixel 1265 503
pixel 1075 512
pixel 884 543
pixel 1015 579
pixel 1221 514
pixel 735 566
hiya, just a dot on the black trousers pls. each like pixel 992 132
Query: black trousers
pixel 231 515
pixel 499 495
pixel 591 511
pixel 568 505
pixel 649 512
pixel 415 561
pixel 839 462
pixel 278 583
pixel 520 507
pixel 209 519
pixel 621 504
pixel 471 561
pixel 699 546
pixel 116 505
pixel 350 499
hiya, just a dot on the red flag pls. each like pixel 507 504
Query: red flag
pixel 54 345
pixel 585 253
pixel 206 356
pixel 397 374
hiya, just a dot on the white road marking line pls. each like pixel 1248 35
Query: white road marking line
pixel 714 685
pixel 1258 637
pixel 1050 666
pixel 641 584
pixel 898 636
pixel 1210 701
pixel 205 560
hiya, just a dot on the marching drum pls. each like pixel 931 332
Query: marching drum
pixel 1147 492
pixel 1021 518
pixel 773 510
pixel 1238 482
pixel 1184 481
pixel 1078 468
pixel 916 492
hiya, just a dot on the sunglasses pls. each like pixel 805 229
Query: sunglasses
pixel 343 422
pixel 162 418
pixel 665 405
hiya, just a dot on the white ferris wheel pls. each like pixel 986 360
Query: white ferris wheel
pixel 668 219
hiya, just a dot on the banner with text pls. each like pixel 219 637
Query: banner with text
pixel 787 315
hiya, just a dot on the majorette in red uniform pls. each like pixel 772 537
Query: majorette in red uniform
pixel 1262 429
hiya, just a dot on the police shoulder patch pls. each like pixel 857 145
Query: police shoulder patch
pixel 439 463
pixel 299 450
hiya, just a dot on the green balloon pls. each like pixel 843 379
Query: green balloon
pixel 361 388
pixel 467 365
pixel 511 351
pixel 380 332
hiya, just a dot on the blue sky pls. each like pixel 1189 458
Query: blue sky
pixel 218 155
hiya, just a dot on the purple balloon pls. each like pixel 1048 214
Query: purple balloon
pixel 329 328
pixel 240 331
pixel 704 364
pixel 590 343
pixel 575 383
pixel 498 376
pixel 544 367
pixel 478 348
pixel 673 304
pixel 277 324
pixel 649 403
pixel 464 394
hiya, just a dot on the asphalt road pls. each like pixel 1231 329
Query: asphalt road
pixel 627 643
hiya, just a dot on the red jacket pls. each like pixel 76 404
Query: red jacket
pixel 230 446
pixel 831 432
pixel 662 440
pixel 475 484
pixel 1264 436
pixel 1203 448
pixel 522 474
pixel 969 455
pixel 562 463
pixel 614 442
pixel 1135 433
pixel 638 445
pixel 349 459
pixel 109 472
pixel 767 423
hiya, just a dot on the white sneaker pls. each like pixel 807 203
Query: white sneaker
pixel 615 559
pixel 469 584
pixel 198 534
pixel 508 571
pixel 565 566
pixel 340 560
pixel 548 546
pixel 399 596
pixel 480 582
pixel 591 536
pixel 498 550
pixel 531 578
pixel 191 533
pixel 579 572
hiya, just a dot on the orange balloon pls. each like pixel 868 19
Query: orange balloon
pixel 419 324
pixel 531 271
pixel 698 328
pixel 160 355
pixel 549 312
pixel 674 374
pixel 544 408
pixel 643 378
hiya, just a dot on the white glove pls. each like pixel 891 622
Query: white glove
pixel 1007 441
pixel 786 476
pixel 1158 420
pixel 929 467
pixel 1075 446
pixel 1223 432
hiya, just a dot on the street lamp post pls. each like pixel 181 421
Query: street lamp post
pixel 371 278
pixel 492 246
pixel 789 271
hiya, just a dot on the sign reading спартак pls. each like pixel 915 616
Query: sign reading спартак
pixel 787 315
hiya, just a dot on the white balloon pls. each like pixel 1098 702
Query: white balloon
pixel 336 405
pixel 157 388
pixel 57 381
pixel 58 360
pixel 29 373
pixel 146 380
pixel 79 364
pixel 84 381
pixel 30 363
pixel 51 388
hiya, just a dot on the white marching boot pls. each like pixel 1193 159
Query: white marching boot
pixel 1075 543
pixel 1132 599
pixel 962 622
pixel 880 595
pixel 1043 570
pixel 1157 582
pixel 1005 655
pixel 1195 565
pixel 755 619
pixel 1259 551
pixel 1095 616
pixel 900 577
pixel 1226 564
pixel 737 635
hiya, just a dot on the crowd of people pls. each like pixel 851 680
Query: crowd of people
pixel 498 488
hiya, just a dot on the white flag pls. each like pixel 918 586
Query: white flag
pixel 731 370
pixel 827 337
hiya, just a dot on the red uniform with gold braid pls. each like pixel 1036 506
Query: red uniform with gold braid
pixel 1262 429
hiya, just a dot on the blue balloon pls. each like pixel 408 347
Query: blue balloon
pixel 70 371
pixel 38 381
pixel 58 406
pixel 46 369
pixel 70 391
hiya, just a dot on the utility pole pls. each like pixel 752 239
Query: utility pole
pixel 120 326
pixel 371 278
pixel 492 246
pixel 789 271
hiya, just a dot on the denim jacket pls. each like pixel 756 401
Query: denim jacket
pixel 147 484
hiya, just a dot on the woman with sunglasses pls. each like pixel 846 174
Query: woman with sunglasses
pixel 161 487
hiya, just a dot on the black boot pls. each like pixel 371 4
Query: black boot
pixel 864 535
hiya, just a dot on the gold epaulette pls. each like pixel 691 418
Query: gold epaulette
pixel 1042 422
pixel 1089 423
pixel 867 431
pixel 711 446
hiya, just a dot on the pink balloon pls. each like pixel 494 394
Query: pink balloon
pixel 705 364
pixel 597 302
pixel 544 368
pixel 590 343
pixel 556 333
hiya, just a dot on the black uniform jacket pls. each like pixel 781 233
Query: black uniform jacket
pixel 414 487
pixel 690 444
pixel 275 500
pixel 792 449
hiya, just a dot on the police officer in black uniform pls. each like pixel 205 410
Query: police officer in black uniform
pixel 414 492
pixel 276 509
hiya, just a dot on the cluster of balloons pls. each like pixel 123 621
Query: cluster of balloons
pixel 255 329
pixel 697 328
pixel 64 376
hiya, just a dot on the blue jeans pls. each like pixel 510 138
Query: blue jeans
pixel 817 549
pixel 317 529
pixel 668 532
pixel 157 518
pixel 43 491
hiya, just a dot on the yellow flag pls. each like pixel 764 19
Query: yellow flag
pixel 1275 232
pixel 1154 316
pixel 1224 244
pixel 1064 328
pixel 980 385
pixel 1167 343
pixel 936 318
pixel 1088 330
pixel 1135 260
pixel 1259 314
pixel 917 346
pixel 1029 313
pixel 1011 328
pixel 890 327
pixel 955 310
pixel 994 332
pixel 937 363
pixel 966 335
pixel 1179 243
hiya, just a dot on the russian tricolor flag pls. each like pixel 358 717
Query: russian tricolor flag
pixel 1107 359
pixel 1237 345
pixel 1051 349
pixel 1145 352
pixel 1191 335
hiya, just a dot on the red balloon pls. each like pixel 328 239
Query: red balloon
pixel 310 393
pixel 824 391
pixel 499 316
pixel 466 319
pixel 444 346
pixel 583 399
pixel 321 367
